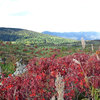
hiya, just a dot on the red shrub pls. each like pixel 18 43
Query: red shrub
pixel 39 82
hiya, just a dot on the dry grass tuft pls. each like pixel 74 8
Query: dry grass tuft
pixel 83 43
pixel 98 54
pixel 59 83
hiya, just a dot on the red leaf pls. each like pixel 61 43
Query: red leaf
pixel 33 94
pixel 16 97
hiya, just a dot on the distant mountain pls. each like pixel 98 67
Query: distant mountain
pixel 76 35
pixel 26 36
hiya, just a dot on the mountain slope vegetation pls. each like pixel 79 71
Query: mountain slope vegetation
pixel 28 37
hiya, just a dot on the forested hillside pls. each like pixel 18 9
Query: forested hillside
pixel 29 37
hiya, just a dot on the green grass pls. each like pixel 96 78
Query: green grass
pixel 14 52
pixel 7 68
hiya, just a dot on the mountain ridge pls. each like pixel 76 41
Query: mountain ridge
pixel 91 35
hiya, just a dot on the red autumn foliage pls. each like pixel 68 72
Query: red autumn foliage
pixel 25 50
pixel 2 44
pixel 39 82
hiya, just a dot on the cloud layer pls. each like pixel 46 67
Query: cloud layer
pixel 51 15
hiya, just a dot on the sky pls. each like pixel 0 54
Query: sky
pixel 51 15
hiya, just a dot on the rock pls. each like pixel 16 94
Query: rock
pixel 20 68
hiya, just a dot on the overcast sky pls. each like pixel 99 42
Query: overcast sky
pixel 51 15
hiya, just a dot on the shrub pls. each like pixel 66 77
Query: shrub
pixel 39 81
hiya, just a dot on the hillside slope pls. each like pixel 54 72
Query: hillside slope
pixel 27 36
